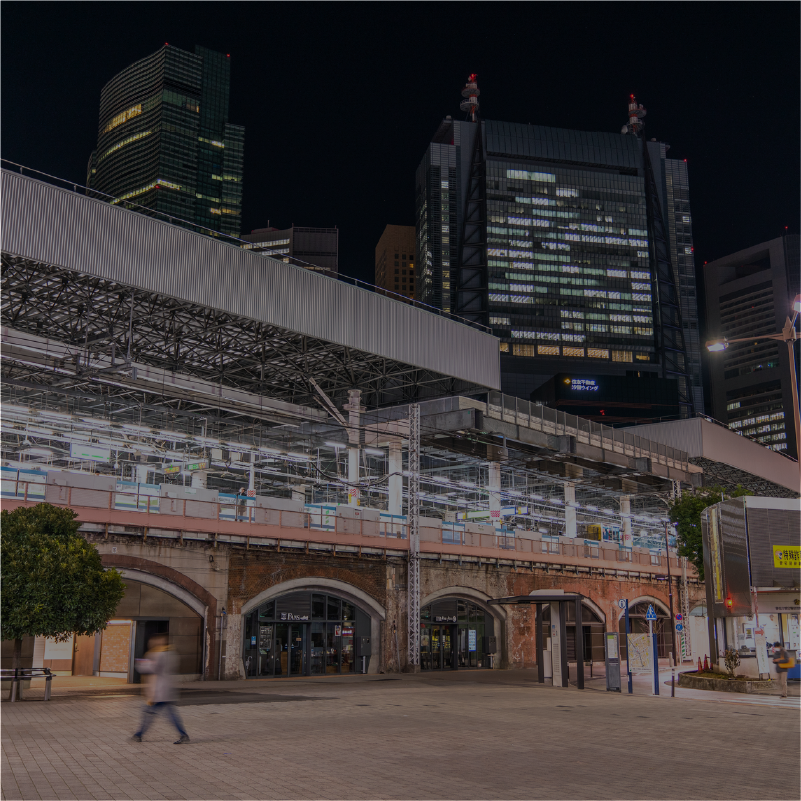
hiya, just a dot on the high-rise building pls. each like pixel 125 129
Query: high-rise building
pixel 314 248
pixel 394 260
pixel 574 247
pixel 164 141
pixel 750 293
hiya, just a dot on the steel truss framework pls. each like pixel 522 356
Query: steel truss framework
pixel 109 318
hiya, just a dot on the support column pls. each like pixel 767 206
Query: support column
pixel 625 514
pixel 395 506
pixel 494 487
pixel 354 409
pixel 252 474
pixel 299 493
pixel 199 478
pixel 141 473
pixel 413 610
pixel 571 528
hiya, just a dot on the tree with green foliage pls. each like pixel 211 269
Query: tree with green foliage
pixel 685 512
pixel 54 583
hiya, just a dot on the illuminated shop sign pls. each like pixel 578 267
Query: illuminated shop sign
pixel 445 618
pixel 582 384
pixel 290 616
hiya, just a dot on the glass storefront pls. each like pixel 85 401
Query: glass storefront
pixel 303 634
pixel 452 633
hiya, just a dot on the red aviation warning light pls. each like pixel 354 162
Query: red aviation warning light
pixel 636 113
pixel 470 94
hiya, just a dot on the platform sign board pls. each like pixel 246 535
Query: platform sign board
pixel 640 653
pixel 761 648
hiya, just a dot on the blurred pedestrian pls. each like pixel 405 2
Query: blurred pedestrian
pixel 782 662
pixel 159 665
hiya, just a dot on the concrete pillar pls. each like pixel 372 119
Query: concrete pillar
pixel 625 515
pixel 141 473
pixel 571 528
pixel 252 472
pixel 494 487
pixel 299 493
pixel 354 409
pixel 199 478
pixel 395 506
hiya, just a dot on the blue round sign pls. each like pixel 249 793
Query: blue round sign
pixel 679 627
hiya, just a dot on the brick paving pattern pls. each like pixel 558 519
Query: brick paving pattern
pixel 489 734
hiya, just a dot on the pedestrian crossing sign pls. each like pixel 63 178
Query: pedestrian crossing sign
pixel 650 614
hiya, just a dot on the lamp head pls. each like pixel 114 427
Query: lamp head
pixel 797 304
pixel 716 345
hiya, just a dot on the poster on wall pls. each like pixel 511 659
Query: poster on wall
pixel 471 640
pixel 761 648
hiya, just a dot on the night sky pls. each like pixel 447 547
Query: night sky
pixel 340 100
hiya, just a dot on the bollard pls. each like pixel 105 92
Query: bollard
pixel 48 679
pixel 706 664
pixel 699 665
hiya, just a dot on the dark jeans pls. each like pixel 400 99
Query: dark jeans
pixel 150 712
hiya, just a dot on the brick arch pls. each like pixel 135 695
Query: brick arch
pixel 180 580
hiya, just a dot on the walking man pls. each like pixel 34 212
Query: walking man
pixel 159 664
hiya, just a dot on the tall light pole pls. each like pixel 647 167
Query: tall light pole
pixel 788 334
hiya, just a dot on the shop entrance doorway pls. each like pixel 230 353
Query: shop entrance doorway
pixel 453 635
pixel 436 647
pixel 303 634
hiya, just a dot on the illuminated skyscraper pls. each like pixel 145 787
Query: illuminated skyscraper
pixel 164 141
pixel 574 247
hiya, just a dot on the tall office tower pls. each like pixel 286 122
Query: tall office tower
pixel 164 141
pixel 570 245
pixel 314 248
pixel 394 260
pixel 747 294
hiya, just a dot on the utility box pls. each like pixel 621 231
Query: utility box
pixel 612 658
pixel 490 644
pixel 363 653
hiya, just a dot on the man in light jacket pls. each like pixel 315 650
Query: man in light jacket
pixel 159 664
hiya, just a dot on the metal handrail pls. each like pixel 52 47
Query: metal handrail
pixel 447 535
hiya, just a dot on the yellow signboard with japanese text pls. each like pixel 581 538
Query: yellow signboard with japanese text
pixel 787 556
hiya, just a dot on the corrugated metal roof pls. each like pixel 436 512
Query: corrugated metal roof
pixel 58 227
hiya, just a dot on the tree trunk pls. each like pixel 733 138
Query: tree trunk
pixel 15 663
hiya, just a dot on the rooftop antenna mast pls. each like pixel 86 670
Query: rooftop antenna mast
pixel 470 94
pixel 635 123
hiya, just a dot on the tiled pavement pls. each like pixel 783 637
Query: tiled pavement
pixel 488 734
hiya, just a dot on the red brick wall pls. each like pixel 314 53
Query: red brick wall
pixel 252 572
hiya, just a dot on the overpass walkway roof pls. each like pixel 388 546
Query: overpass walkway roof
pixel 81 270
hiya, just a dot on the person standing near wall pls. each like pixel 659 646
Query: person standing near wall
pixel 159 664
pixel 782 661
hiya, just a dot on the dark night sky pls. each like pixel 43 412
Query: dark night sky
pixel 339 101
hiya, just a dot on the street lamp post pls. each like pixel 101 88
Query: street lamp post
pixel 788 334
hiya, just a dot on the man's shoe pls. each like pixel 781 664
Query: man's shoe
pixel 184 739
pixel 137 738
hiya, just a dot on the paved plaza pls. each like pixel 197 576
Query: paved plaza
pixel 468 735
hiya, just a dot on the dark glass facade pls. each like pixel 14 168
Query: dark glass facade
pixel 452 635
pixel 165 143
pixel 303 634
pixel 568 252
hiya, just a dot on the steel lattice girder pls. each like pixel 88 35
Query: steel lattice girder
pixel 199 341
